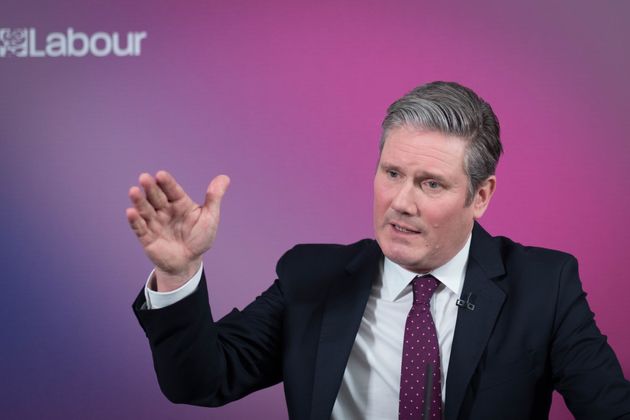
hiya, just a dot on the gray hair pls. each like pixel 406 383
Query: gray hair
pixel 452 109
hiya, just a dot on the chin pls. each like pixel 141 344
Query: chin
pixel 402 258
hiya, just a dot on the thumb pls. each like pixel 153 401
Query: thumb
pixel 214 194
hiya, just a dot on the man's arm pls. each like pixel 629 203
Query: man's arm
pixel 202 362
pixel 585 369
pixel 197 360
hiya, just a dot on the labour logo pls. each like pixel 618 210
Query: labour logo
pixel 25 42
pixel 13 42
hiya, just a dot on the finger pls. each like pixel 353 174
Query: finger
pixel 169 186
pixel 137 223
pixel 140 203
pixel 215 192
pixel 154 194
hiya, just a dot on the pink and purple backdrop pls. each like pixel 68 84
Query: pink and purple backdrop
pixel 286 98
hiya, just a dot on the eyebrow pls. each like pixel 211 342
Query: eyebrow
pixel 417 176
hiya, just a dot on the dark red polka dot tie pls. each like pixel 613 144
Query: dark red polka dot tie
pixel 420 350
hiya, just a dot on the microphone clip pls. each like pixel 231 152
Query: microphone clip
pixel 466 304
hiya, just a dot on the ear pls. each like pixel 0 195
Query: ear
pixel 483 195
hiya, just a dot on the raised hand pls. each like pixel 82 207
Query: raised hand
pixel 174 230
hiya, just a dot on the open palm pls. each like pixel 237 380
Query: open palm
pixel 173 230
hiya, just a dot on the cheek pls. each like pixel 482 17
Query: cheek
pixel 444 216
pixel 434 215
pixel 377 210
pixel 381 202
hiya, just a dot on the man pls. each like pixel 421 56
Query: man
pixel 436 318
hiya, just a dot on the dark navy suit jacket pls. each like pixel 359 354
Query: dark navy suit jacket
pixel 531 332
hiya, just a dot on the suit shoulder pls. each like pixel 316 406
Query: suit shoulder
pixel 328 256
pixel 311 268
pixel 533 258
pixel 509 247
pixel 527 273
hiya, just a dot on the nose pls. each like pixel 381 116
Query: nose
pixel 405 200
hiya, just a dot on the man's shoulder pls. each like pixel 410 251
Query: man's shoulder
pixel 311 266
pixel 516 251
pixel 524 270
pixel 329 256
pixel 517 260
pixel 485 245
pixel 342 251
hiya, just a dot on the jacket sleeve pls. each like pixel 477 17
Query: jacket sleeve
pixel 202 362
pixel 585 370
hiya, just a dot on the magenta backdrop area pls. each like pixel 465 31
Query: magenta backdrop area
pixel 286 97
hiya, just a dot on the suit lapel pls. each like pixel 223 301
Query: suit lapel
pixel 341 318
pixel 345 305
pixel 474 327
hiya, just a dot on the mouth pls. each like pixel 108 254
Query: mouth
pixel 404 229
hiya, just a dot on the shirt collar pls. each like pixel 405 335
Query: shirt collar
pixel 451 274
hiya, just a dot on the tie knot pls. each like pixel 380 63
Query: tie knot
pixel 423 288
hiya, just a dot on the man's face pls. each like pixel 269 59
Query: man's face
pixel 420 217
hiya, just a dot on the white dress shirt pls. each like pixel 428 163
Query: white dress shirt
pixel 157 300
pixel 371 382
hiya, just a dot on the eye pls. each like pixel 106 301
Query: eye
pixel 433 185
pixel 392 174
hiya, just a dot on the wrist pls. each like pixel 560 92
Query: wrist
pixel 165 282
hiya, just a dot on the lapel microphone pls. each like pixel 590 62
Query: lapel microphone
pixel 466 304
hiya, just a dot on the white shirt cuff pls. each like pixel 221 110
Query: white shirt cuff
pixel 157 300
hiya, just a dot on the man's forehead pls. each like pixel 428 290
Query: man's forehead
pixel 417 171
pixel 407 146
pixel 419 130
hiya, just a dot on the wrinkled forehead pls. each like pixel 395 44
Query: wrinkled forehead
pixel 418 150
pixel 422 132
